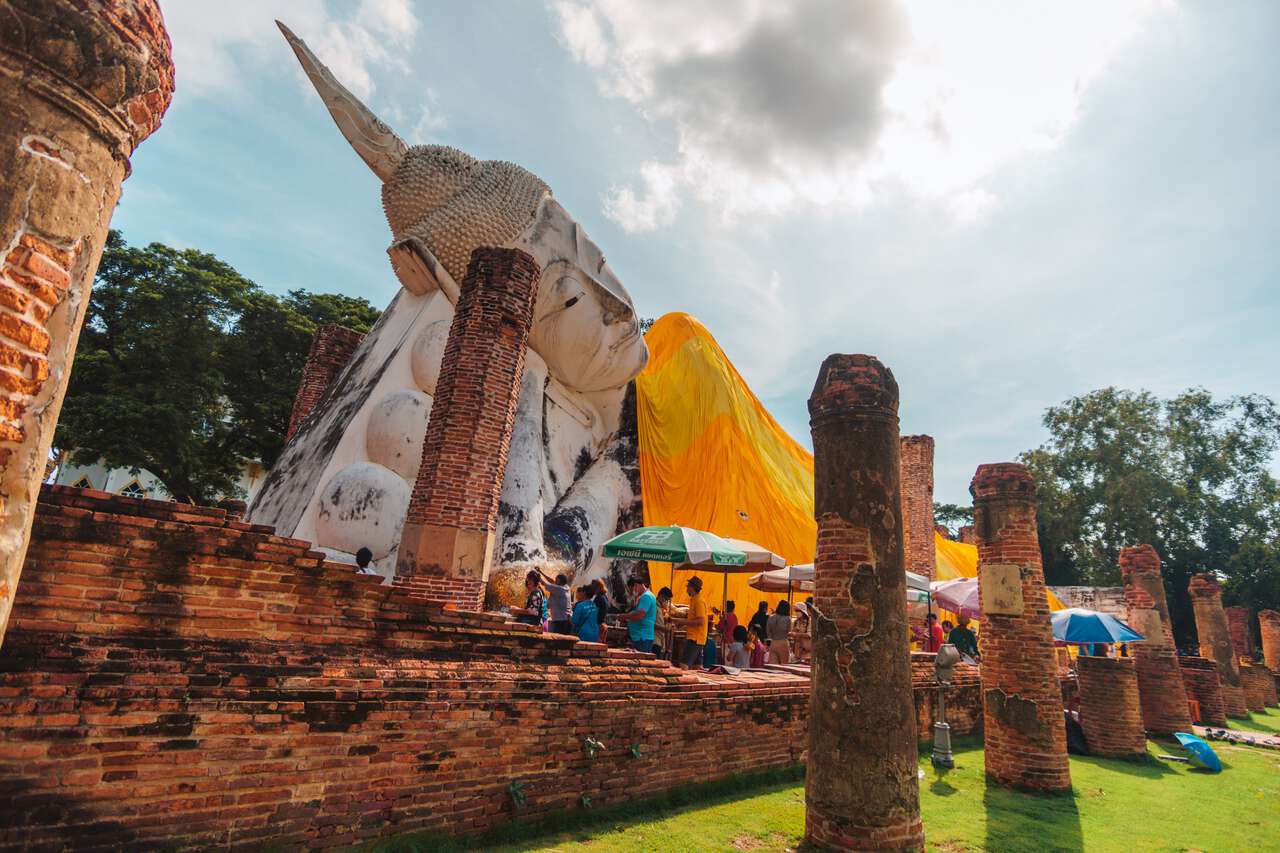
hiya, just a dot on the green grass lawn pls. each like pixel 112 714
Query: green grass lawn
pixel 1120 806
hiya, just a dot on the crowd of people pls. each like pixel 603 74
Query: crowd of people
pixel 710 637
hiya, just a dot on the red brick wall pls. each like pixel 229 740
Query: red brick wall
pixel 1215 639
pixel 917 504
pixel 1200 676
pixel 1259 686
pixel 967 535
pixel 1110 712
pixel 1238 619
pixel 172 678
pixel 464 456
pixel 461 593
pixel 1160 688
pixel 1269 627
pixel 1026 743
pixel 332 347
pixel 964 697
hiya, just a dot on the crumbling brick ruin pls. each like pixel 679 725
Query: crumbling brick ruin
pixel 449 531
pixel 1269 632
pixel 1110 712
pixel 1026 743
pixel 1215 640
pixel 1259 686
pixel 1200 678
pixel 173 678
pixel 1160 688
pixel 917 504
pixel 1238 619
pixel 154 643
pixel 82 83
pixel 331 349
pixel 861 791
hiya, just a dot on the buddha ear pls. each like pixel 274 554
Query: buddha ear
pixel 419 271
pixel 375 142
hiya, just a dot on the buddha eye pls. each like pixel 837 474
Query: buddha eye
pixel 572 302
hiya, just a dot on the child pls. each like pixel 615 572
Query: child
pixel 585 624
pixel 756 650
pixel 738 654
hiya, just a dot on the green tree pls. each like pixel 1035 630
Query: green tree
pixel 1187 475
pixel 952 516
pixel 184 367
pixel 263 356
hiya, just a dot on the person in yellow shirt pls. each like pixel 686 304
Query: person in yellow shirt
pixel 696 626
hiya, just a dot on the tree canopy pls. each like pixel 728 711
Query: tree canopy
pixel 187 368
pixel 1188 475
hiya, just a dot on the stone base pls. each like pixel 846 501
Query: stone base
pixel 437 550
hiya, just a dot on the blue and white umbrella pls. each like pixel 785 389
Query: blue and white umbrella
pixel 1079 625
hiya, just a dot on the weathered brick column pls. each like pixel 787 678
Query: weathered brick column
pixel 1259 686
pixel 1160 688
pixel 1110 711
pixel 967 535
pixel 449 528
pixel 1200 678
pixel 1269 628
pixel 332 346
pixel 1238 619
pixel 861 791
pixel 1215 640
pixel 1026 740
pixel 917 504
pixel 82 83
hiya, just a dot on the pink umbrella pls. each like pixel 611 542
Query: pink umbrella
pixel 958 596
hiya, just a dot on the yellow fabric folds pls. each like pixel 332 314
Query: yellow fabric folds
pixel 712 457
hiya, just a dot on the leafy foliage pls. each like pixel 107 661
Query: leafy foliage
pixel 952 516
pixel 1187 475
pixel 186 368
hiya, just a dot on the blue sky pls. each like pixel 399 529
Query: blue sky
pixel 1008 205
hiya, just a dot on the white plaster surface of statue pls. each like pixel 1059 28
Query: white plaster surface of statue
pixel 565 486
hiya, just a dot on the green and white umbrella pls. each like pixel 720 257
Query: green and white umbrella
pixel 674 545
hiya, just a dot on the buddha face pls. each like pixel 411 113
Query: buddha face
pixel 584 325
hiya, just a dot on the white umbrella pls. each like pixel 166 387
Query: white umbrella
pixel 959 596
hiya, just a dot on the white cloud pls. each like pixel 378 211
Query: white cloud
pixel 824 103
pixel 655 206
pixel 216 45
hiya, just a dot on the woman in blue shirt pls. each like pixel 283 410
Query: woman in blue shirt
pixel 585 624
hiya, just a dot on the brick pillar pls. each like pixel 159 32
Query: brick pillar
pixel 1200 677
pixel 1269 626
pixel 82 83
pixel 861 791
pixel 1026 740
pixel 967 535
pixel 1160 688
pixel 917 504
pixel 1215 640
pixel 332 347
pixel 1259 686
pixel 449 528
pixel 1110 711
pixel 1238 619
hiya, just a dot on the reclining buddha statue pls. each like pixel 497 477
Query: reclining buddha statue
pixel 345 477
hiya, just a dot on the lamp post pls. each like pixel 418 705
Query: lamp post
pixel 944 664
